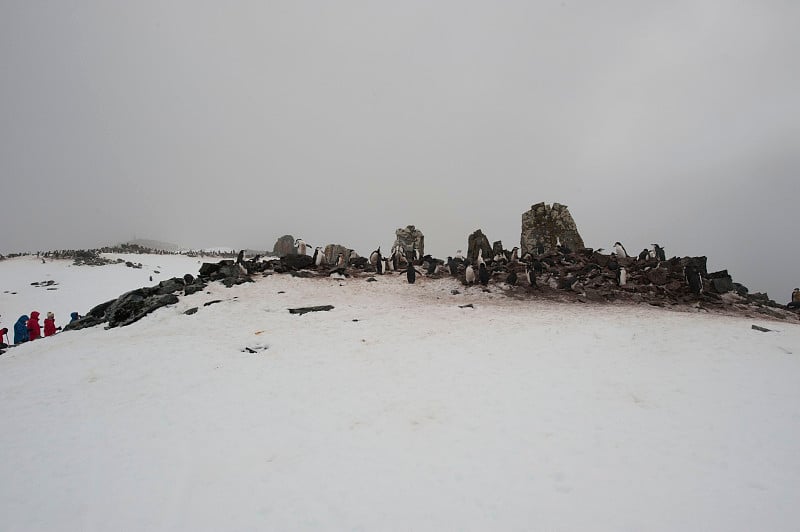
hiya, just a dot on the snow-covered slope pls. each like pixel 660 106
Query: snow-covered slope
pixel 398 410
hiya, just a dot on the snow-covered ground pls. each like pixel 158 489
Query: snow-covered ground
pixel 397 410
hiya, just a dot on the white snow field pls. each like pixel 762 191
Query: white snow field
pixel 517 414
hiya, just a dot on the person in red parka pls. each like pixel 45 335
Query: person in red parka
pixel 34 329
pixel 50 324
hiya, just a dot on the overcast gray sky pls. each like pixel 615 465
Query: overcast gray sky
pixel 233 123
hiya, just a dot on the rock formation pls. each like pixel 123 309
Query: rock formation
pixel 476 241
pixel 544 225
pixel 284 246
pixel 410 238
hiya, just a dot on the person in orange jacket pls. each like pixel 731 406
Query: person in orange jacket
pixel 34 329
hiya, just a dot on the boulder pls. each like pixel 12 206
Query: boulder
pixel 170 286
pixel 721 285
pixel 295 262
pixel 332 252
pixel 657 276
pixel 543 226
pixel 135 305
pixel 411 239
pixel 476 241
pixel 284 246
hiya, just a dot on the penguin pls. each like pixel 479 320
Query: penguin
pixel 411 274
pixel 240 257
pixel 659 252
pixel 483 274
pixel 622 276
pixel 619 249
pixel 459 255
pixel 379 266
pixel 530 273
pixel 692 275
pixel 469 274
pixel 452 266
pixel 387 264
pixel 511 279
pixel 301 246
pixel 514 255
pixel 432 265
pixel 318 256
pixel 340 260
pixel 644 255
pixel 480 257
pixel 375 256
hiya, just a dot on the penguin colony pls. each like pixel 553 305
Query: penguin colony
pixel 505 266
pixel 587 272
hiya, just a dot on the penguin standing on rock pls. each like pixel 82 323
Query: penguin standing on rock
pixel 619 249
pixel 644 255
pixel 301 246
pixel 659 252
pixel 340 260
pixel 622 276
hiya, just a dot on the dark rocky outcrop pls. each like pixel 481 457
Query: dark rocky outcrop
pixel 293 262
pixel 544 225
pixel 284 246
pixel 475 242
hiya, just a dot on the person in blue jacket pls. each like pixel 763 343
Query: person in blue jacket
pixel 21 330
pixel 75 317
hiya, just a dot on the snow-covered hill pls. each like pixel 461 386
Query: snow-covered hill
pixel 396 410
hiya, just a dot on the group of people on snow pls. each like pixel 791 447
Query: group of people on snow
pixel 28 328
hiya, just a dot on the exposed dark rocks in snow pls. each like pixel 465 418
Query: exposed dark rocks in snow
pixel 212 302
pixel 255 348
pixel 191 311
pixel 303 310
pixel 761 329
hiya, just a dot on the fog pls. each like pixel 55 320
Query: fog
pixel 211 124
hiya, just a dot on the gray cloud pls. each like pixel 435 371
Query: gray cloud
pixel 205 124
